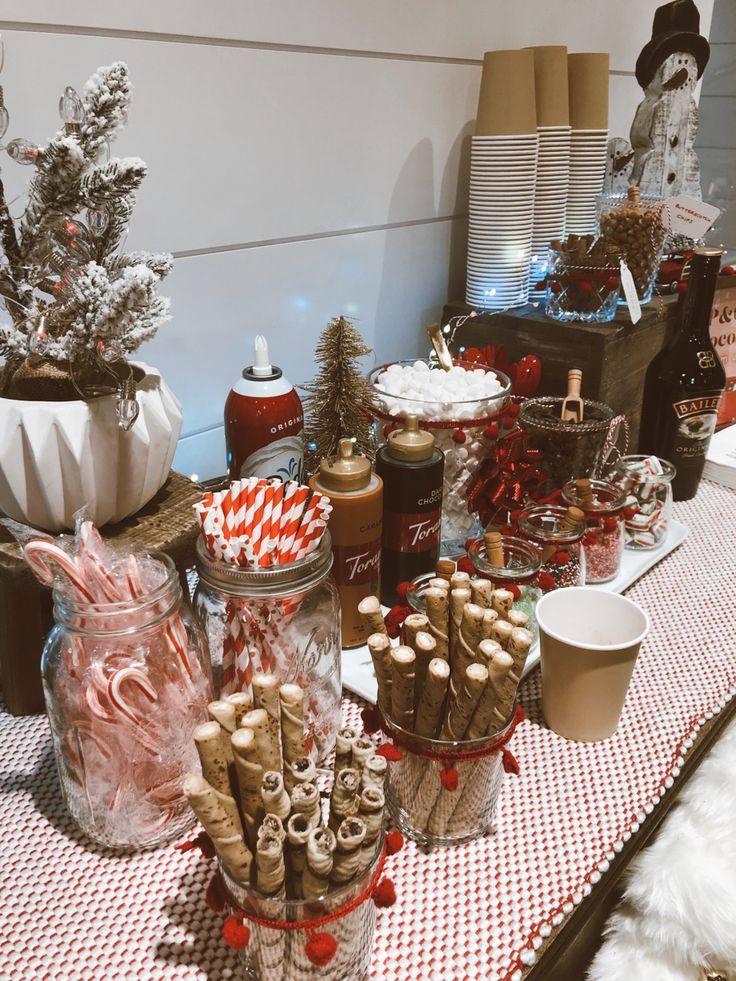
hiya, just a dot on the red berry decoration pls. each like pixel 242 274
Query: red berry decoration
pixel 512 409
pixel 448 778
pixel 555 286
pixel 394 842
pixel 630 512
pixel 384 894
pixel 546 581
pixel 585 286
pixel 561 558
pixel 609 524
pixel 491 431
pixel 465 565
pixel 612 283
pixel 514 590
pixel 321 948
pixel 459 436
pixel 235 933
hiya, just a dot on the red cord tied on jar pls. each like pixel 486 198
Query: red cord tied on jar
pixel 320 945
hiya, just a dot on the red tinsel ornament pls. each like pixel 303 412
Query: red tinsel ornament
pixel 235 933
pixel 320 948
pixel 384 894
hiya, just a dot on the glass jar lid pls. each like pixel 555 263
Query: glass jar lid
pixel 274 580
pixel 605 496
pixel 545 523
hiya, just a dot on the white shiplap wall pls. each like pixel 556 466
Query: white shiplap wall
pixel 306 158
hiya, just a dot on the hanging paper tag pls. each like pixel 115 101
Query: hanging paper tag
pixel 688 216
pixel 629 288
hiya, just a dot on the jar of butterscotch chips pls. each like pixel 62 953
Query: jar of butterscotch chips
pixel 634 222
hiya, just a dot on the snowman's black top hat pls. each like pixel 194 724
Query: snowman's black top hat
pixel 676 28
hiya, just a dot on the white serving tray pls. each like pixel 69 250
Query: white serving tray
pixel 357 667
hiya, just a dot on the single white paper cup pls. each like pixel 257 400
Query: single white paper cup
pixel 589 641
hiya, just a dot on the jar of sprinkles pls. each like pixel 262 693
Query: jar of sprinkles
pixel 558 533
pixel 602 503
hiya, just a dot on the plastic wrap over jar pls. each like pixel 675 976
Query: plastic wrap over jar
pixel 563 554
pixel 274 954
pixel 647 485
pixel 284 620
pixel 125 685
pixel 465 428
pixel 604 537
pixel 432 809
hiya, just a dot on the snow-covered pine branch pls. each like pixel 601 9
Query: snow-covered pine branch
pixel 106 99
pixel 115 179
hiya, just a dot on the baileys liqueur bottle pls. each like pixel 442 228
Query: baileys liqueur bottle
pixel 684 384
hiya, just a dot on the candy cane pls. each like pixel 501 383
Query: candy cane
pixel 92 699
pixel 137 677
pixel 39 553
pixel 92 544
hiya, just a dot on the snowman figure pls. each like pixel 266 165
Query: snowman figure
pixel 661 159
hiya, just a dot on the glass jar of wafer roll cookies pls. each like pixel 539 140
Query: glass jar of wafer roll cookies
pixel 447 696
pixel 301 852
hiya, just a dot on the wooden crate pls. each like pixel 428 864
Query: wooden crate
pixel 614 357
pixel 166 524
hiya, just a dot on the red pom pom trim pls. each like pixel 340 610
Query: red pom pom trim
pixel 394 842
pixel 389 752
pixel 448 777
pixel 235 933
pixel 546 581
pixel 384 894
pixel 321 948
pixel 491 431
pixel 459 436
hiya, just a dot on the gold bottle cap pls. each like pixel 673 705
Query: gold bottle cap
pixel 347 471
pixel 411 442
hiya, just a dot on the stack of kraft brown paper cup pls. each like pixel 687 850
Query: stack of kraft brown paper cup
pixel 588 87
pixel 503 174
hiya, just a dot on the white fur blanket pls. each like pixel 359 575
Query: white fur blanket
pixel 679 910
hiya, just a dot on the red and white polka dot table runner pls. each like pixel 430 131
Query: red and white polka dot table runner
pixel 72 912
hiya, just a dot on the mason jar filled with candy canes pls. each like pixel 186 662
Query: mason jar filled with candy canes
pixel 266 596
pixel 646 482
pixel 558 533
pixel 126 678
pixel 603 506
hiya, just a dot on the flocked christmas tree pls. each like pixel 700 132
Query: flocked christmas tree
pixel 339 399
pixel 78 304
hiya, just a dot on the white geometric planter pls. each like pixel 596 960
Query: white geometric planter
pixel 56 457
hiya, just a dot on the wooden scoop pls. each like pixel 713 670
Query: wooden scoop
pixel 572 405
pixel 440 347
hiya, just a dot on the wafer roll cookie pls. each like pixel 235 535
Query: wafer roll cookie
pixel 303 770
pixel 209 738
pixel 257 721
pixel 438 583
pixel 445 569
pixel 344 801
pixel 270 867
pixel 425 648
pixel 235 856
pixel 502 601
pixel 517 618
pixel 459 580
pixel 481 591
pixel 379 647
pixel 363 749
pixel 485 651
pixel 489 618
pixel 272 825
pixel 374 772
pixel 297 833
pixel 291 698
pixel 250 775
pixel 462 707
pixel 498 667
pixel 273 793
pixel 501 631
pixel 468 638
pixel 458 599
pixel 432 698
pixel 411 627
pixel 403 660
pixel 349 837
pixel 243 704
pixel 437 613
pixel 319 856
pixel 344 749
pixel 305 799
pixel 370 811
pixel 369 609
pixel 217 819
pixel 224 713
pixel 518 646
pixel 266 697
